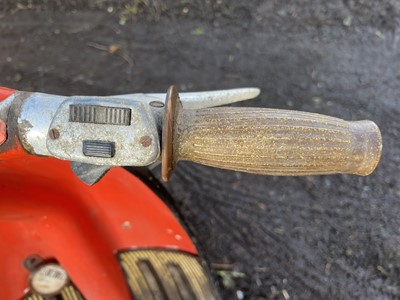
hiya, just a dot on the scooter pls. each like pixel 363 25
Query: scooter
pixel 75 224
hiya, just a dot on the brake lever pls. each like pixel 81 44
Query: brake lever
pixel 198 100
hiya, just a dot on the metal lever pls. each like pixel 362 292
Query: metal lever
pixel 197 100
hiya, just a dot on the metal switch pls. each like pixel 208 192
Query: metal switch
pixel 99 149
pixel 100 114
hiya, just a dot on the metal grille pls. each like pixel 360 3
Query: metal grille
pixel 100 114
pixel 165 275
pixel 68 293
pixel 98 149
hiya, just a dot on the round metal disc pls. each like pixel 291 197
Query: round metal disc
pixel 49 279
pixel 167 151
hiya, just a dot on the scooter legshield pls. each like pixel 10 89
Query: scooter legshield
pixel 47 212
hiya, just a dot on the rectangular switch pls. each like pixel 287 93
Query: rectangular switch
pixel 100 114
pixel 99 149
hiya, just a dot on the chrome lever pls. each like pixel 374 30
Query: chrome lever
pixel 197 100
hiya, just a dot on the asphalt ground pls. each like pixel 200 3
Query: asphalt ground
pixel 322 237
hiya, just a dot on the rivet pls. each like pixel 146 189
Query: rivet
pixel 157 104
pixel 54 134
pixel 146 141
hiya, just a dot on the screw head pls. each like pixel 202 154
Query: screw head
pixel 146 141
pixel 157 104
pixel 32 262
pixel 54 133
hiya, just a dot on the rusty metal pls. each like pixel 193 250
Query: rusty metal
pixel 172 108
pixel 32 262
pixel 14 146
pixel 100 123
pixel 197 100
pixel 54 133
pixel 146 141
pixel 34 121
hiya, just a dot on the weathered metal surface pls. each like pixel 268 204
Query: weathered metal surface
pixel 14 146
pixel 5 106
pixel 39 110
pixel 172 109
pixel 262 141
pixel 196 100
pixel 89 174
pixel 136 144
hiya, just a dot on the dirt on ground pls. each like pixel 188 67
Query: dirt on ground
pixel 322 237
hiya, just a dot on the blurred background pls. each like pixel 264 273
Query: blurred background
pixel 325 237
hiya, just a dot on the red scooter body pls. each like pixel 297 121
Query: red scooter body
pixel 46 211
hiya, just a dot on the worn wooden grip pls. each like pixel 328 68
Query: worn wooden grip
pixel 276 142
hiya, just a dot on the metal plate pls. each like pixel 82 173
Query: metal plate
pixel 126 124
pixel 158 274
pixel 67 293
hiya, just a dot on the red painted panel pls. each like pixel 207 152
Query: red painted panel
pixel 46 210
pixel 3 132
pixel 5 93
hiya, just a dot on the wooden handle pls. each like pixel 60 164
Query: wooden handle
pixel 275 142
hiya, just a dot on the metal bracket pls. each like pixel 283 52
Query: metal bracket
pixel 104 131
pixel 89 174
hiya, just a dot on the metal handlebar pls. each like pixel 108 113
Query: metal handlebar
pixel 125 130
